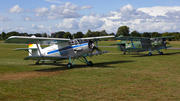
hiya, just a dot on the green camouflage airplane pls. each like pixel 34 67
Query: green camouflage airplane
pixel 139 44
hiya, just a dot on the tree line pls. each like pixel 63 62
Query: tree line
pixel 122 30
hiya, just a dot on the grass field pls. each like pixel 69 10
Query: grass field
pixel 113 77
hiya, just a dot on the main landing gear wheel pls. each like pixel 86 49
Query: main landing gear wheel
pixel 124 53
pixel 69 65
pixel 150 54
pixel 161 53
pixel 37 63
pixel 90 63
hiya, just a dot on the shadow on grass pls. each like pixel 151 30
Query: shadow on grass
pixel 64 66
pixel 144 55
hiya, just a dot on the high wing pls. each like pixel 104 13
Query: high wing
pixel 97 38
pixel 131 38
pixel 34 40
pixel 40 40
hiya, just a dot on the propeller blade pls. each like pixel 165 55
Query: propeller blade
pixel 92 47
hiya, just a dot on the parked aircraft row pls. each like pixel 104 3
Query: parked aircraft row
pixel 79 49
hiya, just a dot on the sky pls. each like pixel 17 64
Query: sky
pixel 46 16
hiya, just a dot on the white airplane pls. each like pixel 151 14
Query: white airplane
pixel 59 49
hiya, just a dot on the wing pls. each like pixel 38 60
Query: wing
pixel 97 38
pixel 130 38
pixel 34 40
pixel 45 57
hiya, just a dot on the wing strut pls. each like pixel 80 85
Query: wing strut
pixel 132 44
pixel 39 48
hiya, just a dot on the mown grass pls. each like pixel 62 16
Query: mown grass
pixel 114 76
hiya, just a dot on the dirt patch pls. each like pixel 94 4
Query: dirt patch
pixel 27 75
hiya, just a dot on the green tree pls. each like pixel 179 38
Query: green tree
pixel 67 35
pixel 89 33
pixel 3 35
pixel 135 34
pixel 104 33
pixel 13 33
pixel 112 33
pixel 168 34
pixel 44 35
pixel 155 34
pixel 123 30
pixel 59 34
pixel 79 35
pixel 146 34
pixel 38 35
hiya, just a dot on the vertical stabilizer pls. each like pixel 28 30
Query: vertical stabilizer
pixel 35 50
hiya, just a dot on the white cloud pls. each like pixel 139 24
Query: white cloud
pixel 3 29
pixel 70 23
pixel 159 18
pixel 86 7
pixel 159 10
pixel 53 1
pixel 41 11
pixel 37 27
pixel 4 19
pixel 68 10
pixel 16 9
pixel 27 18
pixel 90 22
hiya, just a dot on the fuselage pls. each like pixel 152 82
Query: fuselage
pixel 74 48
pixel 139 46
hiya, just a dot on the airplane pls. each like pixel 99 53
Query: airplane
pixel 140 44
pixel 59 48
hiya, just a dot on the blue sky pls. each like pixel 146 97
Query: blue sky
pixel 46 16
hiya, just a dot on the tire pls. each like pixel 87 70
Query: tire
pixel 37 63
pixel 150 54
pixel 69 65
pixel 90 63
pixel 161 53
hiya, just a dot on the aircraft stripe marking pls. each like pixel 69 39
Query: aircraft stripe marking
pixel 69 47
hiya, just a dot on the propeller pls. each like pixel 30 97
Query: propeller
pixel 165 43
pixel 92 47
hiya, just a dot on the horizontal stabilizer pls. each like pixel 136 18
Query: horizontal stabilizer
pixel 164 47
pixel 97 52
pixel 26 49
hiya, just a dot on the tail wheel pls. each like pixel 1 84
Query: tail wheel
pixel 90 63
pixel 161 53
pixel 69 65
